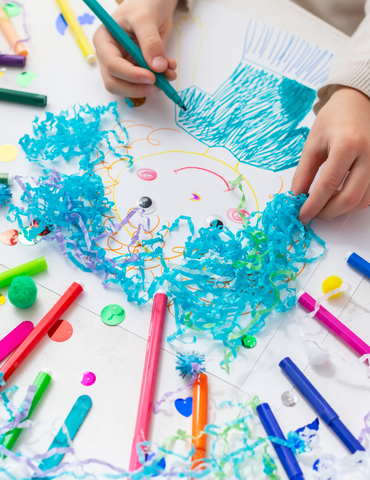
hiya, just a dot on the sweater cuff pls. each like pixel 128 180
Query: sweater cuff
pixel 356 75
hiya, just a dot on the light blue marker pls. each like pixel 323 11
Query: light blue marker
pixel 130 46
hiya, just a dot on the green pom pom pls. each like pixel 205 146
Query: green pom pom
pixel 22 292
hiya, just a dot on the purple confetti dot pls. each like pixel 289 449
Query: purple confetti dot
pixel 88 378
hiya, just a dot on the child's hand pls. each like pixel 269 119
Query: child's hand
pixel 149 23
pixel 340 137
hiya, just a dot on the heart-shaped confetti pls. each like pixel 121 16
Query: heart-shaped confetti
pixel 185 407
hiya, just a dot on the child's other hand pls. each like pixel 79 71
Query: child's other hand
pixel 340 136
pixel 149 23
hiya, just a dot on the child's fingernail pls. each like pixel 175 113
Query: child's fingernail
pixel 305 220
pixel 147 81
pixel 159 63
pixel 152 89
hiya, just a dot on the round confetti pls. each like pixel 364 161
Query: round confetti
pixel 22 238
pixel 137 102
pixel 10 237
pixel 249 341
pixel 113 315
pixel 25 78
pixel 88 378
pixel 2 71
pixel 61 331
pixel 289 399
pixel 12 9
pixel 8 153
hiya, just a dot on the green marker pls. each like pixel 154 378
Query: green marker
pixel 23 97
pixel 6 179
pixel 121 36
pixel 29 268
pixel 42 381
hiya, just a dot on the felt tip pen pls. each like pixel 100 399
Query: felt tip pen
pixel 285 454
pixel 40 330
pixel 29 268
pixel 358 263
pixel 42 382
pixel 148 383
pixel 12 60
pixel 200 409
pixel 319 404
pixel 7 179
pixel 26 98
pixel 11 35
pixel 128 44
pixel 337 327
pixel 77 31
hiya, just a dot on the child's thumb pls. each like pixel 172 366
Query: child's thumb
pixel 152 46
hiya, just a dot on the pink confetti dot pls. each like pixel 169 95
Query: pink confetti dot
pixel 233 215
pixel 88 378
pixel 147 174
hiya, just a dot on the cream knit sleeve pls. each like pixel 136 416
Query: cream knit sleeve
pixel 351 65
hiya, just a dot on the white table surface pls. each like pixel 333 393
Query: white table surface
pixel 116 356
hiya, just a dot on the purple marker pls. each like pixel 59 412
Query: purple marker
pixel 13 60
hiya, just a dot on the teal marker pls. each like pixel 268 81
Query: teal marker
pixel 42 382
pixel 121 36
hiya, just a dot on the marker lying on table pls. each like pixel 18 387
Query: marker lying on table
pixel 7 178
pixel 42 382
pixel 77 31
pixel 153 350
pixel 285 454
pixel 27 98
pixel 12 60
pixel 40 330
pixel 73 422
pixel 29 268
pixel 358 263
pixel 200 408
pixel 319 404
pixel 14 338
pixel 11 35
pixel 337 327
pixel 128 44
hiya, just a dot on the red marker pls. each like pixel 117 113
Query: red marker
pixel 41 329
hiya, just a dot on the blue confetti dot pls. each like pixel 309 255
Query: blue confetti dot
pixel 86 19
pixel 61 24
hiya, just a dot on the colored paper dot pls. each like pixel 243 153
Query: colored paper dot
pixel 86 19
pixel 8 153
pixel 12 9
pixel 331 283
pixel 1 72
pixel 136 102
pixel 25 78
pixel 61 331
pixel 2 299
pixel 10 237
pixel 113 315
pixel 88 378
pixel 249 341
pixel 61 24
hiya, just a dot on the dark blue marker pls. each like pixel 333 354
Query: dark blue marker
pixel 285 454
pixel 319 404
pixel 358 263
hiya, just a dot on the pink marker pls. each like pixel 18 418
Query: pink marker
pixel 334 325
pixel 153 350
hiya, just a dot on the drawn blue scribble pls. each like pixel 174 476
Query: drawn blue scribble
pixel 255 114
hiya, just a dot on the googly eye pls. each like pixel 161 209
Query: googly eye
pixel 147 204
pixel 214 221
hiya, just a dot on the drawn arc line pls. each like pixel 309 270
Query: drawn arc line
pixel 209 171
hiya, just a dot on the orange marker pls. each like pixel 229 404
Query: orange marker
pixel 11 35
pixel 200 407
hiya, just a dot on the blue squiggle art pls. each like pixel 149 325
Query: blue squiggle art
pixel 255 114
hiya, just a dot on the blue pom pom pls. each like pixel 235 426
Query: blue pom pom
pixel 185 363
pixel 5 195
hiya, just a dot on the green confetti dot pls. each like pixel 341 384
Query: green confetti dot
pixel 113 314
pixel 12 9
pixel 249 341
pixel 25 78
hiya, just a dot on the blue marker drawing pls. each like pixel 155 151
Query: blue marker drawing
pixel 257 112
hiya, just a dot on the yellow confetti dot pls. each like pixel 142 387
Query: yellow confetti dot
pixel 2 299
pixel 331 283
pixel 8 153
pixel 1 73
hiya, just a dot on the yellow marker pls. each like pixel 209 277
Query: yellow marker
pixel 77 31
pixel 331 283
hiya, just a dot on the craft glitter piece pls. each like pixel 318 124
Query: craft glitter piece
pixel 249 341
pixel 10 237
pixel 2 299
pixel 61 331
pixel 113 315
pixel 88 379
pixel 289 399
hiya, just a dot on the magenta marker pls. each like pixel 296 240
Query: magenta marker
pixel 337 327
pixel 13 60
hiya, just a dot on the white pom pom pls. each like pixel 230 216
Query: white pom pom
pixel 317 355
